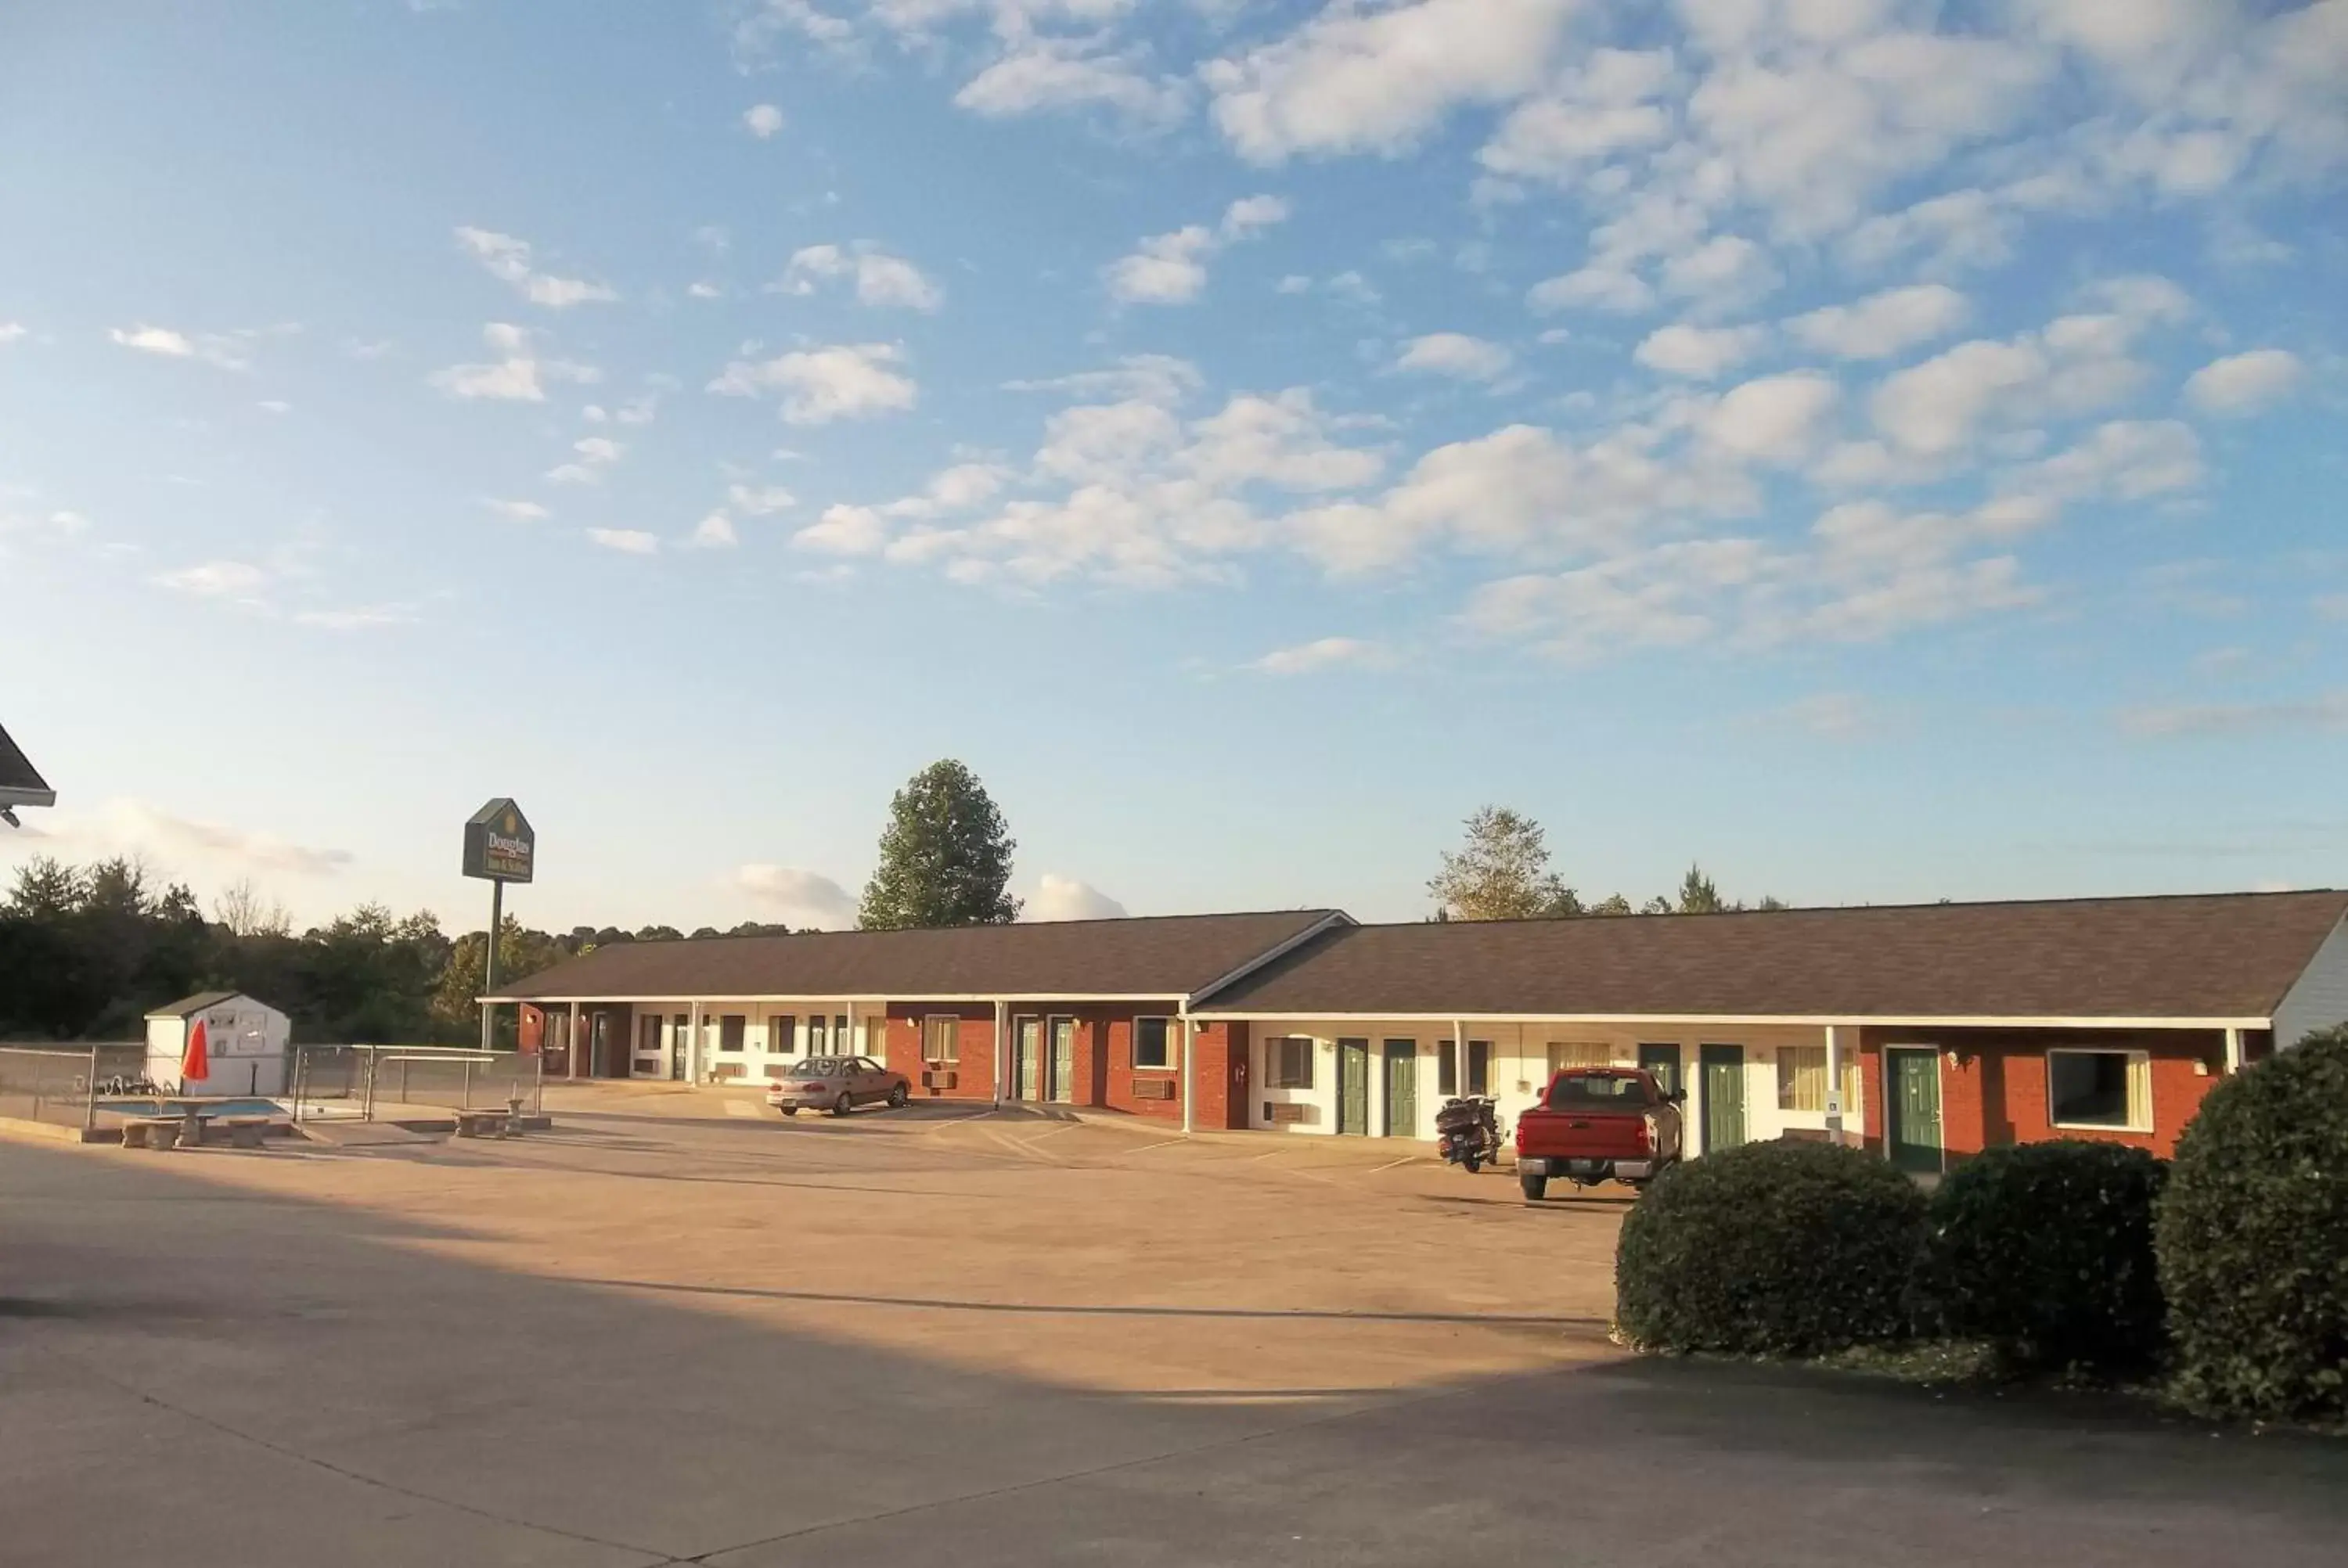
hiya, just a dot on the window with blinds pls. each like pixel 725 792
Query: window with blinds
pixel 1802 1079
pixel 1565 1053
pixel 1288 1063
pixel 941 1037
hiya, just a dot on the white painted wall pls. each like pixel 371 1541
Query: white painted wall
pixel 760 1059
pixel 1519 1071
pixel 2320 999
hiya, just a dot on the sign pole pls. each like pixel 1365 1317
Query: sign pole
pixel 490 1008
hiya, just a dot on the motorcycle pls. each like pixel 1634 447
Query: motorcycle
pixel 1467 1131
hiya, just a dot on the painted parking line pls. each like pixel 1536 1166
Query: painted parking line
pixel 1390 1164
pixel 1162 1143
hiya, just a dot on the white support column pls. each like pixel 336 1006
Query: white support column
pixel 577 1017
pixel 1458 1061
pixel 1002 1015
pixel 2234 1062
pixel 693 1043
pixel 1190 1090
pixel 1835 1107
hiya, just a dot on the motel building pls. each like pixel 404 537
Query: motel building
pixel 1933 1030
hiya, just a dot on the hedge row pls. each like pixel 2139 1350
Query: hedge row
pixel 2230 1267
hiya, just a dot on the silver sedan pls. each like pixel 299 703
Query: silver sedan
pixel 838 1084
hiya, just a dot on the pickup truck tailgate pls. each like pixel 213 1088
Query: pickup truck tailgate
pixel 1579 1134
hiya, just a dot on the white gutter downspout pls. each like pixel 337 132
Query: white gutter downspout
pixel 1189 1035
pixel 2234 1062
pixel 1001 1009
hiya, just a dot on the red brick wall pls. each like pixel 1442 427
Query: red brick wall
pixel 973 1074
pixel 1993 1088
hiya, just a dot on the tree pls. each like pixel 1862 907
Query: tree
pixel 946 856
pixel 1614 903
pixel 1502 871
pixel 244 911
pixel 1697 894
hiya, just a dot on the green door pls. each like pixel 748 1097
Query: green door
pixel 1402 1089
pixel 1063 1059
pixel 1914 1103
pixel 1029 1049
pixel 1663 1062
pixel 1354 1086
pixel 1724 1097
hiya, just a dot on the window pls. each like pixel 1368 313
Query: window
pixel 2099 1089
pixel 730 1031
pixel 782 1032
pixel 648 1033
pixel 1563 1054
pixel 840 1035
pixel 1599 1091
pixel 1152 1048
pixel 1479 1067
pixel 818 1044
pixel 1288 1063
pixel 941 1038
pixel 1446 1069
pixel 1802 1079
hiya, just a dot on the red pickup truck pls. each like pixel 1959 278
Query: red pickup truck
pixel 1596 1124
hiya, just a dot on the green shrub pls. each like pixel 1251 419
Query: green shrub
pixel 1790 1249
pixel 2252 1236
pixel 2044 1250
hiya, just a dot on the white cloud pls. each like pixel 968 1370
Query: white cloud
pixel 714 532
pixel 1606 288
pixel 1775 419
pixel 803 899
pixel 596 452
pixel 508 260
pixel 356 618
pixel 844 530
pixel 2129 459
pixel 1700 352
pixel 519 511
pixel 1885 324
pixel 11 331
pixel 216 579
pixel 1354 79
pixel 520 377
pixel 1325 653
pixel 759 500
pixel 227 351
pixel 1066 899
pixel 1171 269
pixel 881 279
pixel 275 405
pixel 762 120
pixel 627 541
pixel 702 289
pixel 1949 232
pixel 1038 73
pixel 1455 355
pixel 845 381
pixel 2327 712
pixel 2245 383
pixel 1934 407
pixel 1594 113
pixel 1830 715
pixel 1724 274
pixel 141 827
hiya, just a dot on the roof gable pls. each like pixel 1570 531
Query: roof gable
pixel 202 1002
pixel 21 783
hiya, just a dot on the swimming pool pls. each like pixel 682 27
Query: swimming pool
pixel 208 1108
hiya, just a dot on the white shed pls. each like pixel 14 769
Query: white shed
pixel 244 1041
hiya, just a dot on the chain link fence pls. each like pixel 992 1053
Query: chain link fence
pixel 50 1084
pixel 398 1082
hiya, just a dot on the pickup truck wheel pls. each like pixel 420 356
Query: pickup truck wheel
pixel 1536 1188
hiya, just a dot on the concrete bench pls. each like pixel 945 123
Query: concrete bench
pixel 487 1121
pixel 151 1132
pixel 246 1132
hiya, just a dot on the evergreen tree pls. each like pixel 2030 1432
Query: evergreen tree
pixel 946 856
pixel 1697 894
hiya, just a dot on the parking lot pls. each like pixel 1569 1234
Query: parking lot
pixel 681 1328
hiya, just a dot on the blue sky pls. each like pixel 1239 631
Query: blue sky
pixel 1885 451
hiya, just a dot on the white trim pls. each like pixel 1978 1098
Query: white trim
pixel 2137 1060
pixel 904 1000
pixel 1765 1020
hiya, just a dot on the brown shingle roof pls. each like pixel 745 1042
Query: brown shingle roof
pixel 1162 956
pixel 2216 955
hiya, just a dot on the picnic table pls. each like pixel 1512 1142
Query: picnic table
pixel 179 1123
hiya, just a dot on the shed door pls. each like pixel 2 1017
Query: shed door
pixel 1354 1086
pixel 1402 1089
pixel 1724 1097
pixel 1914 1103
